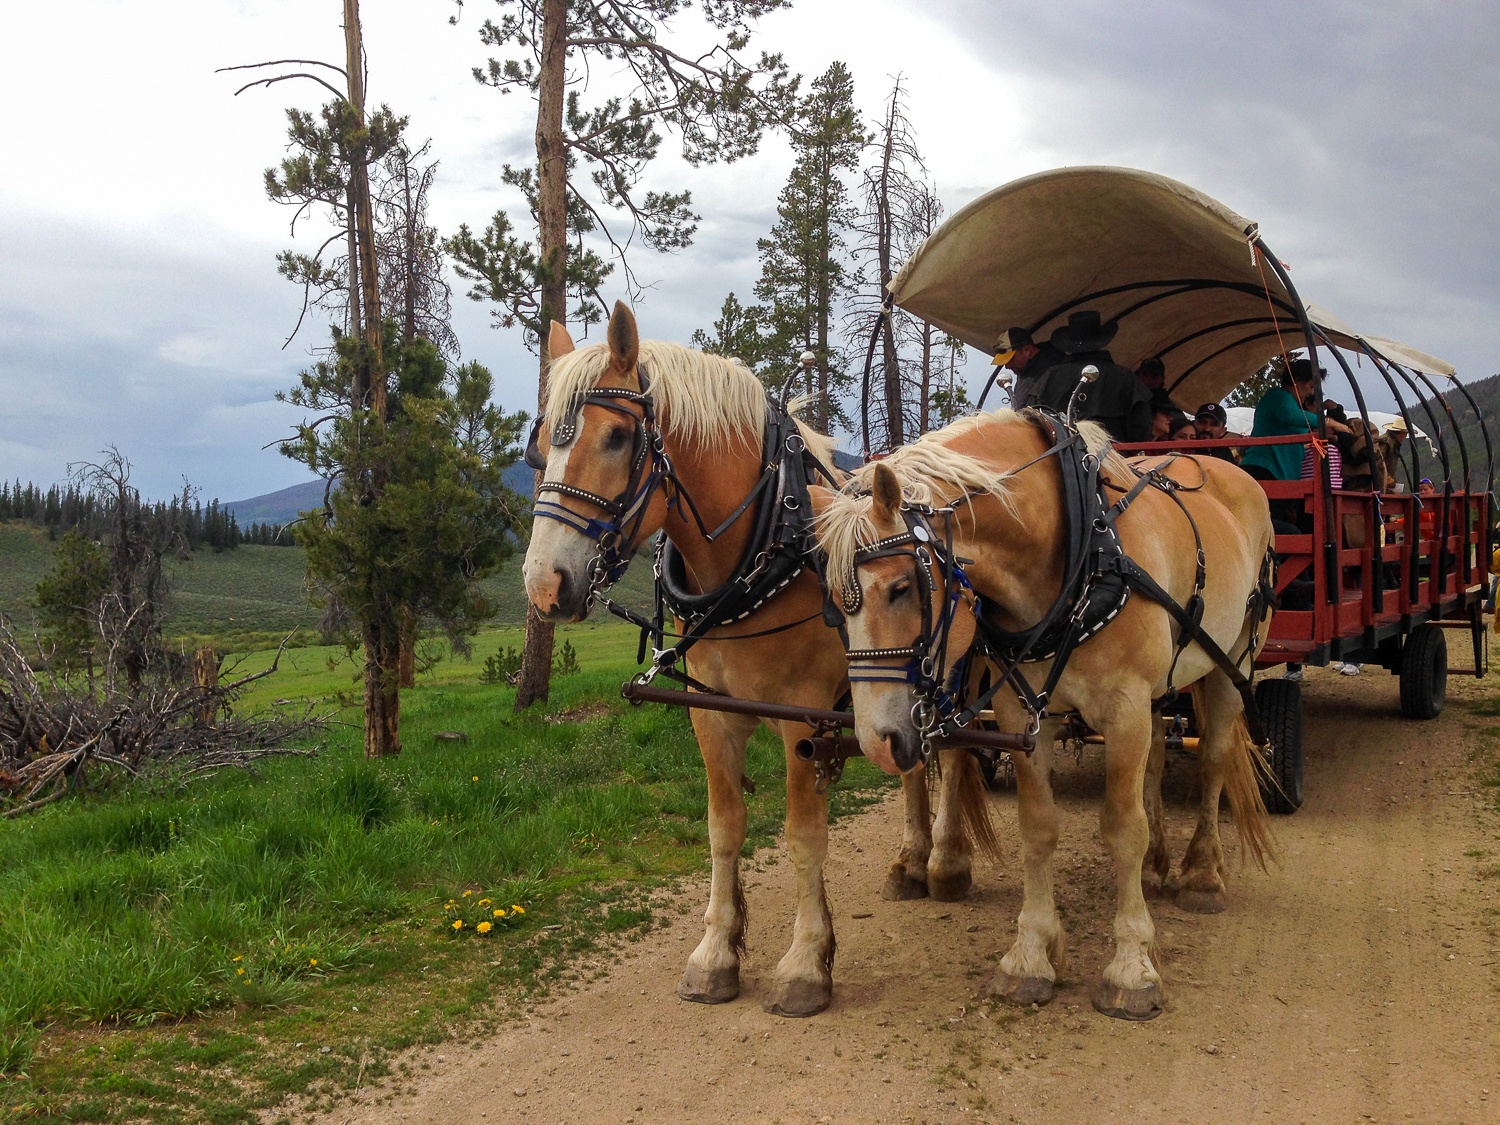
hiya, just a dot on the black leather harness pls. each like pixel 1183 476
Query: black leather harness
pixel 1099 579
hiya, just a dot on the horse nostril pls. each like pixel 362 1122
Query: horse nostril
pixel 564 587
pixel 901 749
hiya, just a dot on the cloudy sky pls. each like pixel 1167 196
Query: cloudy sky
pixel 139 303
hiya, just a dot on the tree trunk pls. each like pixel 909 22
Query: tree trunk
pixel 382 693
pixel 552 232
pixel 364 219
pixel 924 410
pixel 885 223
pixel 206 676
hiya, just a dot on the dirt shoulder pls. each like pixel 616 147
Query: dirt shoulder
pixel 1357 982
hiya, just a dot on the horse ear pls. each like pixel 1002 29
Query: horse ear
pixel 886 491
pixel 559 343
pixel 624 340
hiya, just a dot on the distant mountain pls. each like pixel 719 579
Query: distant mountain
pixel 286 504
pixel 1486 394
pixel 278 507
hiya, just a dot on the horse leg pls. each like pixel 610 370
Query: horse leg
pixel 804 977
pixel 1157 867
pixel 907 878
pixel 1199 883
pixel 1028 972
pixel 1227 761
pixel 949 869
pixel 713 970
pixel 1131 988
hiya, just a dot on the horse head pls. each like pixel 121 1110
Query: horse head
pixel 908 619
pixel 601 461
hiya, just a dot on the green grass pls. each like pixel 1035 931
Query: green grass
pixel 125 923
pixel 250 597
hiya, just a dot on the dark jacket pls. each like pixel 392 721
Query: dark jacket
pixel 1117 401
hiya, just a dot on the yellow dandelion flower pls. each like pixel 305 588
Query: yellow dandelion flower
pixel 483 902
pixel 484 927
pixel 516 909
pixel 238 959
pixel 458 923
pixel 468 894
pixel 476 777
pixel 239 972
pixel 312 961
pixel 500 914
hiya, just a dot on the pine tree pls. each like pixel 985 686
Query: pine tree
pixel 738 333
pixel 67 600
pixel 591 160
pixel 804 272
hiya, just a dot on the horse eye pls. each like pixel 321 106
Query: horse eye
pixel 618 436
pixel 900 590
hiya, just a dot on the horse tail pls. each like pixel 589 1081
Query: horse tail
pixel 1244 771
pixel 974 810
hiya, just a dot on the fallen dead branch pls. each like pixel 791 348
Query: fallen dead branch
pixel 62 733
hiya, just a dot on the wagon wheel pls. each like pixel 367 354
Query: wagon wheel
pixel 1424 672
pixel 1280 705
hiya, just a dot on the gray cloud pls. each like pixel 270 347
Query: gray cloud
pixel 1365 138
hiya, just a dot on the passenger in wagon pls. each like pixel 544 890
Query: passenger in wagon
pixel 1212 424
pixel 1028 360
pixel 1388 451
pixel 1284 411
pixel 1152 373
pixel 1116 400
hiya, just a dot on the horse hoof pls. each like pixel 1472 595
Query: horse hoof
pixel 900 887
pixel 1021 991
pixel 1201 902
pixel 951 888
pixel 1128 1003
pixel 800 998
pixel 711 986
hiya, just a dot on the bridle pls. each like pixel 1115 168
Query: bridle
pixel 939 578
pixel 650 469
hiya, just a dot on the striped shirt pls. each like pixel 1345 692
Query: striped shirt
pixel 1335 463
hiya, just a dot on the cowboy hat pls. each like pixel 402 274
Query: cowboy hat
pixel 1083 333
pixel 1398 425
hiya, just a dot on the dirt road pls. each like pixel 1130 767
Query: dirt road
pixel 1356 983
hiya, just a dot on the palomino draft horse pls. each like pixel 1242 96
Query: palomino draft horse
pixel 641 437
pixel 963 536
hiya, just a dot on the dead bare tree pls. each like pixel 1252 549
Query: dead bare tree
pixel 900 210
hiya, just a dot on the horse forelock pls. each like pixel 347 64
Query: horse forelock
pixel 704 400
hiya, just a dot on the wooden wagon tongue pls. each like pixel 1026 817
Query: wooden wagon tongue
pixel 825 745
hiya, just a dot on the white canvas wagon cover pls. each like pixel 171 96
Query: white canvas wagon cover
pixel 1176 267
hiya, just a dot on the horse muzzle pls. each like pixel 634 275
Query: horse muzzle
pixel 558 596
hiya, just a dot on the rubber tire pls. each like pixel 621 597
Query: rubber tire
pixel 1424 672
pixel 1280 705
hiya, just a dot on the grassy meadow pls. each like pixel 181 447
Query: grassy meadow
pixel 251 597
pixel 198 954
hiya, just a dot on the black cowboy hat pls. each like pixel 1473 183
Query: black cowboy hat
pixel 1083 333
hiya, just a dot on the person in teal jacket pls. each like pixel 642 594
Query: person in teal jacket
pixel 1280 412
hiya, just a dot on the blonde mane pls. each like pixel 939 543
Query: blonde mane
pixel 931 472
pixel 707 401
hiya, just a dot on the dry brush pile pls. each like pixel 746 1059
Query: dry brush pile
pixel 62 732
